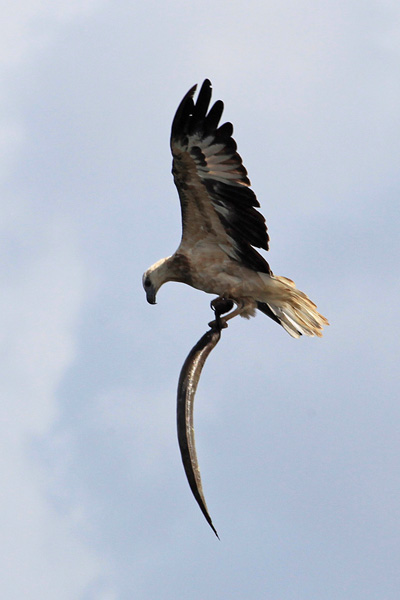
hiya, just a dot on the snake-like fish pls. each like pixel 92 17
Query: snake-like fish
pixel 188 381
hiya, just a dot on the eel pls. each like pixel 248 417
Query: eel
pixel 187 385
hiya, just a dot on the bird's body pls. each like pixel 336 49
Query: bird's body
pixel 221 226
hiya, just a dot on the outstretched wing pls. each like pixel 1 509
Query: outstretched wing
pixel 217 204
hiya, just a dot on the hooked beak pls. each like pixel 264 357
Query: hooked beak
pixel 151 297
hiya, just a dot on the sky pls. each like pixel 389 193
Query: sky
pixel 298 440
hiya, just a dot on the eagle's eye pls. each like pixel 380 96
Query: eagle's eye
pixel 147 283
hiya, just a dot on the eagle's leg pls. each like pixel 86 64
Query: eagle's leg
pixel 220 306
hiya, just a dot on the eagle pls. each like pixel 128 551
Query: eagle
pixel 221 226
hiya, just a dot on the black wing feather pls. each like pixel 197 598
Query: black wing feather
pixel 220 169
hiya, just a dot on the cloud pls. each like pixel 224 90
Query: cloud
pixel 43 288
pixel 42 294
pixel 95 500
pixel 28 26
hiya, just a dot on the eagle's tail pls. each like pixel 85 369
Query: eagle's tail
pixel 291 308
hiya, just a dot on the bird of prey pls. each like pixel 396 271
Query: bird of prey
pixel 221 226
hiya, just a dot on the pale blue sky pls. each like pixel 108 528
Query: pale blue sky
pixel 298 440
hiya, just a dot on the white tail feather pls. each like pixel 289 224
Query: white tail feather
pixel 297 314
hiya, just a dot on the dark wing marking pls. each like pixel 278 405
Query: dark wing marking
pixel 187 386
pixel 216 200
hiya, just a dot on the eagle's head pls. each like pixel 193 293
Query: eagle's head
pixel 154 278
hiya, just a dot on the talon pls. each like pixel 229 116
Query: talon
pixel 220 306
pixel 218 323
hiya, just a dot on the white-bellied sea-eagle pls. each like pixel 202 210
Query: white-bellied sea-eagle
pixel 221 226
